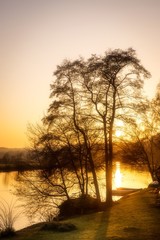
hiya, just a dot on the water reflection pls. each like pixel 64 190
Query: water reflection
pixel 7 177
pixel 7 198
pixel 123 176
pixel 130 176
pixel 118 176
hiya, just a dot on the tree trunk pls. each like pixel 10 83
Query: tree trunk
pixel 108 168
pixel 95 180
pixel 109 185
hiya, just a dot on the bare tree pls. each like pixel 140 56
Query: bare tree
pixel 142 137
pixel 114 84
pixel 99 90
pixel 68 100
pixel 88 97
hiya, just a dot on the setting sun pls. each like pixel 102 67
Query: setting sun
pixel 118 133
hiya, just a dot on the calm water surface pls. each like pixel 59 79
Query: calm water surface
pixel 123 176
pixel 7 198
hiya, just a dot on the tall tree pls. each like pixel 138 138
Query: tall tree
pixel 101 89
pixel 88 97
pixel 68 100
pixel 114 84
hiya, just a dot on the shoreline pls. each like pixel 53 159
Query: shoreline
pixel 124 220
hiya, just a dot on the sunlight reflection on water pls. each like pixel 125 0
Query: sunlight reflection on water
pixel 123 176
pixel 130 176
pixel 118 176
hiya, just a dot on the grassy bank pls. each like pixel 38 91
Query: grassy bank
pixel 133 217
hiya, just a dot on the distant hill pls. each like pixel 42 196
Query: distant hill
pixel 10 151
pixel 13 159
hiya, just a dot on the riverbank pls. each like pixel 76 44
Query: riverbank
pixel 135 216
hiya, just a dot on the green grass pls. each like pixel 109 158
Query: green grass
pixel 134 217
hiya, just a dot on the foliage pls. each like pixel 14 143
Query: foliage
pixel 79 206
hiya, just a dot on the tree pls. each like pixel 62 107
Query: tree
pixel 69 102
pixel 100 91
pixel 114 92
pixel 144 132
pixel 88 98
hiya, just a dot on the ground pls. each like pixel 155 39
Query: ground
pixel 135 216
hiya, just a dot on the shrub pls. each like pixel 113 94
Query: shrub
pixel 58 227
pixel 7 219
pixel 78 206
pixel 8 232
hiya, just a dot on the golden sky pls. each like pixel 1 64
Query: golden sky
pixel 36 35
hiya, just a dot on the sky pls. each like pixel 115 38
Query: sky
pixel 37 35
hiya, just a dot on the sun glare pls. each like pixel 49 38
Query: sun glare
pixel 118 133
pixel 119 128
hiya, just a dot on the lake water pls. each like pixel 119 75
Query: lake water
pixel 7 198
pixel 130 176
pixel 123 176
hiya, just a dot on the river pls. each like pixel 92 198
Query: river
pixel 123 176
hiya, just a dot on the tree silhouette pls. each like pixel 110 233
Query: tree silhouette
pixel 87 98
pixel 98 91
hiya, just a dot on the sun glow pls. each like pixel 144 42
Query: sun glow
pixel 118 133
pixel 119 128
